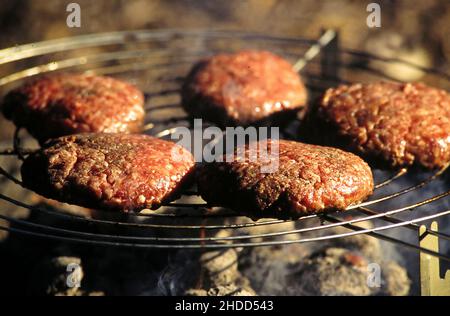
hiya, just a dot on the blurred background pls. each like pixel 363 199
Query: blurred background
pixel 418 29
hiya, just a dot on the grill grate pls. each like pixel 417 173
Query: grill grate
pixel 157 61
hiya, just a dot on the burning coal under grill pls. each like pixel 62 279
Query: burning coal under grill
pixel 151 252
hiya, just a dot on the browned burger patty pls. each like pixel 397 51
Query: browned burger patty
pixel 66 104
pixel 400 123
pixel 108 171
pixel 243 88
pixel 309 179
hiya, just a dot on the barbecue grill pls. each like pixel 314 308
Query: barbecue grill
pixel 157 62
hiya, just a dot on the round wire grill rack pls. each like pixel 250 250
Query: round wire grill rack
pixel 157 61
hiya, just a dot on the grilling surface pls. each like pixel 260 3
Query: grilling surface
pixel 162 97
pixel 101 171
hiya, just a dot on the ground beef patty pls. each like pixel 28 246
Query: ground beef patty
pixel 243 88
pixel 67 104
pixel 309 179
pixel 400 123
pixel 108 171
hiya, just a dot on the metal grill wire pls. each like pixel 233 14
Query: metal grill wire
pixel 157 61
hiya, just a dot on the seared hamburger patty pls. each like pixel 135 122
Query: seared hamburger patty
pixel 242 88
pixel 66 104
pixel 108 171
pixel 400 123
pixel 309 179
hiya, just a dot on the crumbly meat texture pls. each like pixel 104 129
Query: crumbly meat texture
pixel 66 104
pixel 119 172
pixel 243 88
pixel 309 179
pixel 400 123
